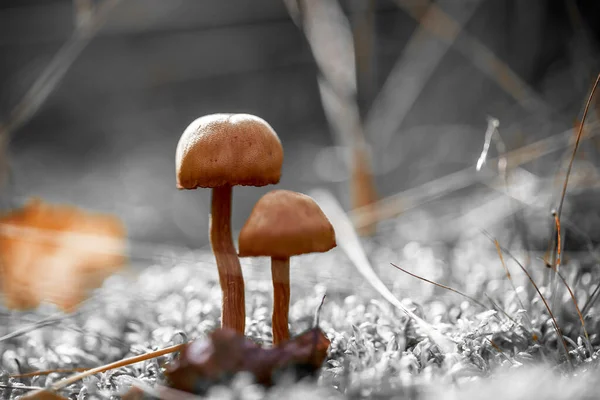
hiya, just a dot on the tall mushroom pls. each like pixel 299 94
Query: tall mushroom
pixel 220 151
pixel 283 224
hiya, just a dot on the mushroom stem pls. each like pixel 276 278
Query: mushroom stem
pixel 233 309
pixel 280 269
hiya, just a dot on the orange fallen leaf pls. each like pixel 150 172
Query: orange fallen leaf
pixel 56 254
pixel 224 353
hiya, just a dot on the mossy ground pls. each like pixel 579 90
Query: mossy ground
pixel 376 351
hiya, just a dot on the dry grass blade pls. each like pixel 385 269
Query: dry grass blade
pixel 466 296
pixel 391 206
pixel 557 272
pixel 556 244
pixel 508 275
pixel 555 266
pixel 333 46
pixel 481 56
pixel 318 312
pixel 118 364
pixel 591 300
pixel 56 69
pixel 576 146
pixel 498 308
pixel 53 319
pixel 579 314
pixel 420 58
pixel 554 322
pixel 349 242
pixel 563 194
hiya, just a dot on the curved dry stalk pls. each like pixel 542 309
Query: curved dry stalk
pixel 349 242
pixel 466 296
pixel 318 312
pixel 591 300
pixel 579 314
pixel 503 311
pixel 50 320
pixel 577 141
pixel 557 272
pixel 555 245
pixel 508 275
pixel 555 266
pixel 554 322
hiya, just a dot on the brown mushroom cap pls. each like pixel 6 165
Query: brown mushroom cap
pixel 283 224
pixel 228 149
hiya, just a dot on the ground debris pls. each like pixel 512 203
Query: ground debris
pixel 215 360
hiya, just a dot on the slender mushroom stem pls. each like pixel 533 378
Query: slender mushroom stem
pixel 280 269
pixel 233 309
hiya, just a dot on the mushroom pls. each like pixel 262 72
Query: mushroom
pixel 284 224
pixel 220 151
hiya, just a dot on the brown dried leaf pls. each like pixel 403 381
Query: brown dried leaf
pixel 56 254
pixel 224 353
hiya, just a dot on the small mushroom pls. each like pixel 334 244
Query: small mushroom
pixel 283 224
pixel 220 151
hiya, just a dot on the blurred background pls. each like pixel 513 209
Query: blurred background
pixel 94 96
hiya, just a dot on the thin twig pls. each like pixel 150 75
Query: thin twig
pixel 466 296
pixel 118 364
pixel 48 372
pixel 554 322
